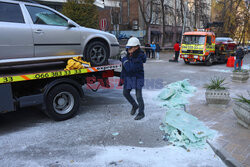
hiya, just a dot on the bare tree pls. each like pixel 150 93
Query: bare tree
pixel 146 8
pixel 235 25
pixel 163 21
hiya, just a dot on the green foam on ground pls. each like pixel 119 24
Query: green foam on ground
pixel 192 132
pixel 175 94
pixel 181 128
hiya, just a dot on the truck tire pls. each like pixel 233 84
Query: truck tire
pixel 186 62
pixel 209 61
pixel 62 102
pixel 97 53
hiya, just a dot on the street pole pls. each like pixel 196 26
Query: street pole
pixel 184 22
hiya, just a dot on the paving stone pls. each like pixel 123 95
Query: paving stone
pixel 247 161
pixel 230 147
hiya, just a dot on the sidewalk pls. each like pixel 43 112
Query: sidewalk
pixel 233 138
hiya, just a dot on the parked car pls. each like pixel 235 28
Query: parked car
pixel 31 33
pixel 226 43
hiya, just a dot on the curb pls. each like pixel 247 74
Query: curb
pixel 224 155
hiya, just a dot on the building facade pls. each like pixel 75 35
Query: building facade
pixel 124 18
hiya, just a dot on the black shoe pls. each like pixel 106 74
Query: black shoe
pixel 133 110
pixel 140 116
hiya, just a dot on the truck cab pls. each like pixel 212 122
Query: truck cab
pixel 198 46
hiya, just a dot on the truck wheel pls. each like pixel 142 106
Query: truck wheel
pixel 186 62
pixel 209 61
pixel 97 53
pixel 62 102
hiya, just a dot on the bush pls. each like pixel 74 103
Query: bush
pixel 83 12
pixel 243 99
pixel 216 84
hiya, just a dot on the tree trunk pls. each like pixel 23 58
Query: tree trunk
pixel 182 15
pixel 175 23
pixel 163 22
pixel 143 12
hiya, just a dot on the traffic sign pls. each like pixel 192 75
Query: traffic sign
pixel 103 24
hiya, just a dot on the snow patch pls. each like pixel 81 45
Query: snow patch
pixel 169 156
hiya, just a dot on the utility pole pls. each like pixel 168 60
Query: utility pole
pixel 184 19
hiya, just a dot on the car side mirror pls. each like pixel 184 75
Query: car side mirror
pixel 70 24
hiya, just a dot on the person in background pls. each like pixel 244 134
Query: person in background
pixel 177 51
pixel 153 47
pixel 132 75
pixel 239 57
pixel 147 49
pixel 158 49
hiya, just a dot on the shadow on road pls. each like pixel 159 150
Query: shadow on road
pixel 21 119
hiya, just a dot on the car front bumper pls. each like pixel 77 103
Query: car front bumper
pixel 114 50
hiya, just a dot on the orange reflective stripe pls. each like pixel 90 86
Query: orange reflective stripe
pixel 88 70
pixel 94 69
pixel 25 77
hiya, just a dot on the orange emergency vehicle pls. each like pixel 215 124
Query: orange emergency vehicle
pixel 200 46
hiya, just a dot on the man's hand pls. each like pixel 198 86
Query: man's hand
pixel 123 54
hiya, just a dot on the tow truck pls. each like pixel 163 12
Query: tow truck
pixel 200 46
pixel 55 90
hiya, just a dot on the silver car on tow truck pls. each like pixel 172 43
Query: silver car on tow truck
pixel 32 33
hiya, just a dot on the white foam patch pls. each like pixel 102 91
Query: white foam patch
pixel 221 70
pixel 156 61
pixel 188 71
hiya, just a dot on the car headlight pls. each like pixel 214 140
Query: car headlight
pixel 201 57
pixel 195 56
pixel 185 56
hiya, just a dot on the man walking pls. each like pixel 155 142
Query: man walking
pixel 239 58
pixel 132 75
pixel 177 51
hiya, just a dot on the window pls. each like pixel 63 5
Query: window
pixel 209 38
pixel 46 17
pixel 194 39
pixel 10 12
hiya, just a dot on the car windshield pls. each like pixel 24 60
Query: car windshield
pixel 194 39
pixel 224 40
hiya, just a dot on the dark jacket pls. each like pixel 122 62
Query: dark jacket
pixel 239 54
pixel 132 75
pixel 158 48
pixel 147 49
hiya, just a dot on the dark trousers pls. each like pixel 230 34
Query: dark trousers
pixel 176 55
pixel 131 100
pixel 148 54
pixel 153 53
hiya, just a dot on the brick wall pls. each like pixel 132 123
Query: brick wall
pixel 127 22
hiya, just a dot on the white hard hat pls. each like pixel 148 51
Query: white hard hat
pixel 133 41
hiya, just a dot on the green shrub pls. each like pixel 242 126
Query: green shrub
pixel 216 84
pixel 242 99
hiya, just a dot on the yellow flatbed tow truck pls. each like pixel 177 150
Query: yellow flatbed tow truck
pixel 56 90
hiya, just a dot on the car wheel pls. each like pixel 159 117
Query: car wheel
pixel 97 53
pixel 62 102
